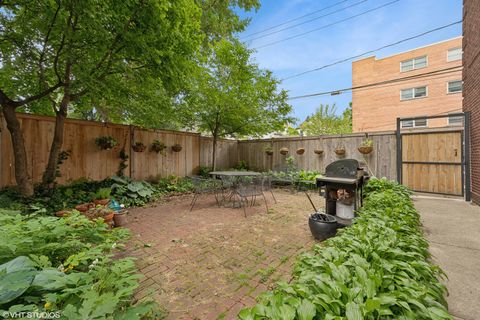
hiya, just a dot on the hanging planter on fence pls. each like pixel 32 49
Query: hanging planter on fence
pixel 340 151
pixel 139 147
pixel 158 146
pixel 366 147
pixel 176 147
pixel 284 151
pixel 106 142
pixel 300 150
pixel 269 151
pixel 318 151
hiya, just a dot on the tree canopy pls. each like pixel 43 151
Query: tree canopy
pixel 326 121
pixel 230 96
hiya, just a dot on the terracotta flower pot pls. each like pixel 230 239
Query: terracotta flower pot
pixel 120 218
pixel 109 217
pixel 269 152
pixel 318 151
pixel 84 207
pixel 365 149
pixel 340 152
pixel 284 151
pixel 300 150
pixel 140 147
pixel 176 147
pixel 62 213
pixel 101 202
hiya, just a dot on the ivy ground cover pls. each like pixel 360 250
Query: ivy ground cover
pixel 379 268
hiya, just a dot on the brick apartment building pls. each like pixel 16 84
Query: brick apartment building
pixel 376 107
pixel 471 93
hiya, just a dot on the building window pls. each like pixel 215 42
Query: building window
pixel 455 120
pixel 454 54
pixel 417 123
pixel 454 86
pixel 413 93
pixel 412 64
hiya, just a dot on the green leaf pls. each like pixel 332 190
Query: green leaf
pixel 306 310
pixel 353 312
pixel 372 304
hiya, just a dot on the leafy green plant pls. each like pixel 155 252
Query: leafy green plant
pixel 204 171
pixel 174 184
pixel 132 193
pixel 50 264
pixel 103 193
pixel 242 166
pixel 139 147
pixel 123 162
pixel 158 147
pixel 106 142
pixel 367 142
pixel 378 268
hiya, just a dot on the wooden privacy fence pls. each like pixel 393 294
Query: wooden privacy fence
pixel 88 161
pixel 381 162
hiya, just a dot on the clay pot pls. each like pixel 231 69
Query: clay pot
pixel 340 152
pixel 140 147
pixel 62 213
pixel 84 207
pixel 365 149
pixel 284 151
pixel 269 152
pixel 318 151
pixel 120 218
pixel 101 202
pixel 176 147
pixel 300 150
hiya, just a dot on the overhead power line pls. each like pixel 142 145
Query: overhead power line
pixel 329 25
pixel 372 51
pixel 305 22
pixel 295 19
pixel 413 77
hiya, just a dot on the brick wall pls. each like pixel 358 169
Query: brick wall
pixel 377 108
pixel 471 86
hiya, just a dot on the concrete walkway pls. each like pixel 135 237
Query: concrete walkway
pixel 452 228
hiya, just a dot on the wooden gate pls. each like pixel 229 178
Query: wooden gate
pixel 433 162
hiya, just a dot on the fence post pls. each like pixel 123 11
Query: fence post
pixel 399 152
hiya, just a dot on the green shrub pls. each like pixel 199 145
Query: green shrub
pixel 174 184
pixel 378 268
pixel 65 264
pixel 132 193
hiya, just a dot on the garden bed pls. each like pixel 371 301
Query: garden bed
pixel 377 268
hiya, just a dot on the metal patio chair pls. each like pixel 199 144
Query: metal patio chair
pixel 250 188
pixel 267 186
pixel 204 186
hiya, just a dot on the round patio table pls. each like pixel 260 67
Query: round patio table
pixel 233 178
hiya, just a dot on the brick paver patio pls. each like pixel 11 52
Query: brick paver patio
pixel 212 262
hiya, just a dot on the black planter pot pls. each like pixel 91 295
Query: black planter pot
pixel 322 226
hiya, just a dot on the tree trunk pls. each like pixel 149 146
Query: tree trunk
pixel 50 173
pixel 23 179
pixel 214 153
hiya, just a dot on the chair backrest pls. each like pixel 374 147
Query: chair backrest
pixel 201 184
pixel 250 185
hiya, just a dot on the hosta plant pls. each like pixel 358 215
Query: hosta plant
pixel 379 268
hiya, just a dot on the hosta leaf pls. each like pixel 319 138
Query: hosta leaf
pixel 438 313
pixel 372 304
pixel 306 310
pixel 353 312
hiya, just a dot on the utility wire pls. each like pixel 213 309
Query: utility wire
pixel 295 19
pixel 417 76
pixel 308 21
pixel 372 51
pixel 328 25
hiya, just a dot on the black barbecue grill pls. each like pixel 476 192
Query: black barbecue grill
pixel 347 176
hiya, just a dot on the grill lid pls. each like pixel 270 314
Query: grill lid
pixel 345 168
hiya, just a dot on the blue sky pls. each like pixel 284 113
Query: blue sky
pixel 381 27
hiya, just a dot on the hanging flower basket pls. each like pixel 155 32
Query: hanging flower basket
pixel 365 149
pixel 158 146
pixel 318 151
pixel 284 151
pixel 300 150
pixel 176 147
pixel 340 151
pixel 139 147
pixel 106 142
